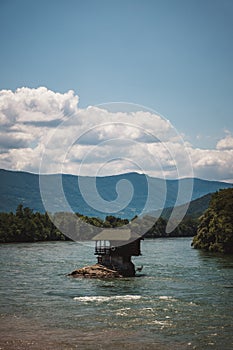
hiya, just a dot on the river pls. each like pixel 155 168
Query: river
pixel 182 299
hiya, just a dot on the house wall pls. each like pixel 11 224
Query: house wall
pixel 123 264
pixel 130 249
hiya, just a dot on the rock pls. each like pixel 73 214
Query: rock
pixel 95 271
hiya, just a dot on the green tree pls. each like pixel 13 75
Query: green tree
pixel 215 229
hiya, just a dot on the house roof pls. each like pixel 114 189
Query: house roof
pixel 116 234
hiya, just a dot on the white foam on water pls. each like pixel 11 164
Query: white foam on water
pixel 162 324
pixel 165 297
pixel 100 298
pixel 124 311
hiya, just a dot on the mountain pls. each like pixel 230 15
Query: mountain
pixel 195 209
pixel 22 187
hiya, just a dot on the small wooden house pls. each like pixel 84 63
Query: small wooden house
pixel 115 247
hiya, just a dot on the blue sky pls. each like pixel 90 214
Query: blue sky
pixel 175 57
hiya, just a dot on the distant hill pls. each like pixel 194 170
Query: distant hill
pixel 22 187
pixel 195 209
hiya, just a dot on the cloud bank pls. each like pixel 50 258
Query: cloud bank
pixel 40 124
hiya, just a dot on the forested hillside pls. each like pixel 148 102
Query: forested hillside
pixel 215 230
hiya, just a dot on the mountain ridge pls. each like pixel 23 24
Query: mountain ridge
pixel 23 187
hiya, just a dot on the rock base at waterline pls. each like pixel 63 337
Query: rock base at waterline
pixel 95 271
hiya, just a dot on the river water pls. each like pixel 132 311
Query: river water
pixel 182 299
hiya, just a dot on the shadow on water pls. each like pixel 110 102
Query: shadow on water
pixel 216 260
pixel 218 266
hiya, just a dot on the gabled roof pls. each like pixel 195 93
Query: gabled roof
pixel 116 234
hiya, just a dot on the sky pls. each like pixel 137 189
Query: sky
pixel 59 59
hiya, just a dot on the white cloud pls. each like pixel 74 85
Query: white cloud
pixel 36 120
pixel 212 164
pixel 27 117
pixel 226 143
pixel 35 105
pixel 14 140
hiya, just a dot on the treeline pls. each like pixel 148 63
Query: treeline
pixel 187 228
pixel 26 226
pixel 215 229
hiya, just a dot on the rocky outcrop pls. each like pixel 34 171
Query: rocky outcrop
pixel 95 271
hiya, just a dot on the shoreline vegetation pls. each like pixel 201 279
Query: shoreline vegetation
pixel 27 226
pixel 215 229
pixel 212 231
